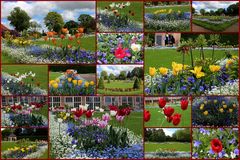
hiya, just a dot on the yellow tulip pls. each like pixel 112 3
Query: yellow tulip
pixel 223 102
pixel 198 72
pixel 234 105
pixel 215 101
pixel 152 71
pixel 201 106
pixel 65 117
pixel 230 110
pixel 177 67
pixel 92 83
pixel 224 106
pixel 163 71
pixel 221 110
pixel 52 81
pixel 205 102
pixel 214 68
pixel 80 82
pixel 74 82
pixel 57 80
pixel 55 85
pixel 86 84
pixel 205 113
pixel 69 79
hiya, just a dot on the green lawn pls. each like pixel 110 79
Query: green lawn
pixel 119 84
pixel 185 8
pixel 54 75
pixel 43 111
pixel 164 57
pixel 87 43
pixel 159 120
pixel 133 122
pixel 40 70
pixel 178 146
pixel 6 58
pixel 136 7
pixel 215 27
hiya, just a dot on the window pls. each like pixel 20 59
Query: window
pixel 55 101
pixel 130 101
pixel 4 101
pixel 77 101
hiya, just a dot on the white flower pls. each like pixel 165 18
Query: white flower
pixel 135 47
pixel 97 108
pixel 101 110
pixel 73 110
pixel 67 114
pixel 112 5
pixel 60 120
pixel 113 113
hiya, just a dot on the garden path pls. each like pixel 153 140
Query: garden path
pixel 196 28
pixel 233 28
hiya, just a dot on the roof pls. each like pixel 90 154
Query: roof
pixel 12 135
pixel 4 28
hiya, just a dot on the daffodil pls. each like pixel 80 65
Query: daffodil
pixel 86 84
pixel 57 80
pixel 221 110
pixel 198 72
pixel 92 83
pixel 52 81
pixel 176 67
pixel 69 79
pixel 205 113
pixel 152 71
pixel 224 106
pixel 74 82
pixel 201 106
pixel 163 71
pixel 80 82
pixel 215 101
pixel 230 110
pixel 55 85
pixel 214 68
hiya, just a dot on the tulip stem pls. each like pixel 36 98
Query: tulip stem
pixel 162 122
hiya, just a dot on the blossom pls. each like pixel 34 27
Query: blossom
pixel 163 71
pixel 135 47
pixel 198 72
pixel 86 84
pixel 205 113
pixel 216 145
pixel 113 113
pixel 106 117
pixel 177 67
pixel 176 118
pixel 89 114
pixel 214 68
pixel 120 53
pixel 64 30
pixel 91 83
pixel 119 118
pixel 168 111
pixel 152 71
pixel 184 104
pixel 197 143
pixel 147 115
pixel 162 102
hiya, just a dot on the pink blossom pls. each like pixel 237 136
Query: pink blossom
pixel 102 124
pixel 119 118
pixel 106 117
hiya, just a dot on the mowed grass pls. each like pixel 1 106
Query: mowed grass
pixel 133 122
pixel 164 57
pixel 136 7
pixel 6 59
pixel 40 70
pixel 54 75
pixel 120 84
pixel 159 120
pixel 87 43
pixel 185 8
pixel 178 146
pixel 43 111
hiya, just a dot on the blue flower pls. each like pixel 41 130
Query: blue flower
pixel 211 151
pixel 197 143
pixel 236 151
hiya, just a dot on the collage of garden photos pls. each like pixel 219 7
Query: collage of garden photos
pixel 119 79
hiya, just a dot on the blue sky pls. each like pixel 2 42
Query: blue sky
pixel 115 69
pixel 211 5
pixel 170 131
pixel 37 10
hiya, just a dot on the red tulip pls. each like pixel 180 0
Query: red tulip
pixel 216 145
pixel 147 115
pixel 70 38
pixel 121 112
pixel 162 102
pixel 176 118
pixel 169 119
pixel 62 36
pixel 78 113
pixel 112 107
pixel 89 114
pixel 184 104
pixel 168 111
pixel 120 52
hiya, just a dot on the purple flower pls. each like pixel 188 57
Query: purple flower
pixel 119 118
pixel 232 141
pixel 236 151
pixel 211 151
pixel 221 154
pixel 197 143
pixel 195 155
pixel 102 124
pixel 106 117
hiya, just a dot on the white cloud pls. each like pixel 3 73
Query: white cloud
pixel 211 5
pixel 116 69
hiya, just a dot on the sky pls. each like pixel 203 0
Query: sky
pixel 170 131
pixel 115 69
pixel 70 10
pixel 211 5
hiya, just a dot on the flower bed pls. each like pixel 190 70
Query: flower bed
pixel 32 150
pixel 192 81
pixel 111 19
pixel 167 20
pixel 120 48
pixel 46 54
pixel 14 85
pixel 215 143
pixel 76 134
pixel 71 83
pixel 21 115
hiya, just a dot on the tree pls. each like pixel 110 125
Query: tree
pixel 202 12
pixel 129 75
pixel 101 83
pixel 111 76
pixel 70 25
pixel 104 75
pixel 212 13
pixel 233 10
pixel 122 75
pixel 54 22
pixel 214 40
pixel 108 80
pixel 183 48
pixel 193 10
pixel 87 22
pixel 136 84
pixel 137 72
pixel 191 45
pixel 220 11
pixel 34 26
pixel 19 19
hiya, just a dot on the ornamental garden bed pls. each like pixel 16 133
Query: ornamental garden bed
pixel 167 17
pixel 120 80
pixel 22 80
pixel 120 48
pixel 166 143
pixel 78 132
pixel 120 16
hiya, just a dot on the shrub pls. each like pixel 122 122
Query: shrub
pixel 101 83
pixel 136 84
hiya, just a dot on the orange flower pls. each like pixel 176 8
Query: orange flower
pixel 78 42
pixel 62 36
pixel 80 29
pixel 50 34
pixel 69 46
pixel 77 35
pixel 64 30
pixel 70 38
pixel 69 71
pixel 60 45
pixel 45 38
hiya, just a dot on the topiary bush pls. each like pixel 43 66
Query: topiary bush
pixel 101 83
